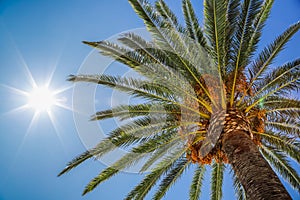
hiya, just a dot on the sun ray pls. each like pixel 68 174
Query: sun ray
pixel 16 90
pixel 55 126
pixel 28 72
pixel 16 110
pixel 65 107
pixel 57 91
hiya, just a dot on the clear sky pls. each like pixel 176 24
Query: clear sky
pixel 44 37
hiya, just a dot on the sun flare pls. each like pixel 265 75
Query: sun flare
pixel 41 99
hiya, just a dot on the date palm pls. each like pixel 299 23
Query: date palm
pixel 207 99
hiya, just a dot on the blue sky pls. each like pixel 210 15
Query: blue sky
pixel 45 36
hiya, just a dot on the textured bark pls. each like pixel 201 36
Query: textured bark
pixel 253 171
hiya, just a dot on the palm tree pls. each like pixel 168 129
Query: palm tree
pixel 206 101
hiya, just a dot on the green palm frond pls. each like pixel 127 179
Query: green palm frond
pixel 192 23
pixel 280 76
pixel 232 16
pixel 238 188
pixel 99 150
pixel 215 27
pixel 158 154
pixel 123 112
pixel 288 127
pixel 215 30
pixel 292 82
pixel 166 38
pixel 158 69
pixel 126 161
pixel 140 128
pixel 118 53
pixel 171 177
pixel 282 107
pixel 142 189
pixel 250 9
pixel 270 52
pixel 161 64
pixel 286 144
pixel 158 141
pixel 195 188
pixel 258 25
pixel 217 181
pixel 135 87
pixel 76 161
pixel 282 166
pixel 168 16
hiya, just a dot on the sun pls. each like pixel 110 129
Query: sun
pixel 42 99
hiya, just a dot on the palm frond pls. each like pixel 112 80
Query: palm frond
pixel 239 189
pixel 118 53
pixel 168 38
pixel 158 141
pixel 282 166
pixel 217 181
pixel 192 24
pixel 161 64
pixel 171 177
pixel 291 83
pixel 280 102
pixel 100 149
pixel 281 107
pixel 76 161
pixel 279 76
pixel 142 189
pixel 130 111
pixel 286 144
pixel 232 16
pixel 136 87
pixel 270 52
pixel 195 188
pixel 250 9
pixel 215 29
pixel 126 161
pixel 258 25
pixel 158 154
pixel 168 16
pixel 285 126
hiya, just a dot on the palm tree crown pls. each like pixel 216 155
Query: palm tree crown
pixel 198 86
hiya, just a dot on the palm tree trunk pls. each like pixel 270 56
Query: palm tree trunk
pixel 252 170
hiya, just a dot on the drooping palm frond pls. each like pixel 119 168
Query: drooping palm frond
pixel 287 75
pixel 123 112
pixel 258 25
pixel 282 166
pixel 195 188
pixel 141 190
pixel 192 23
pixel 286 144
pixel 238 188
pixel 281 107
pixel 270 52
pixel 126 161
pixel 169 17
pixel 217 181
pixel 171 177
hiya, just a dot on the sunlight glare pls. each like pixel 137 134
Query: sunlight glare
pixel 41 99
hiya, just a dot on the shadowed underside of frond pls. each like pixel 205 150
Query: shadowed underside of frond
pixel 197 86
